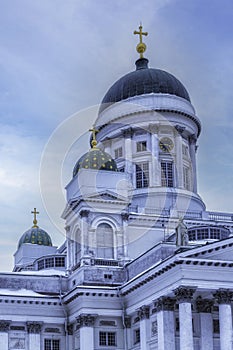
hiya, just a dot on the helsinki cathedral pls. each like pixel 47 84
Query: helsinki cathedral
pixel 145 265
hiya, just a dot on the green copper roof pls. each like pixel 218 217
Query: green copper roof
pixel 35 235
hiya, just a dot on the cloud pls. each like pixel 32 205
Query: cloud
pixel 58 57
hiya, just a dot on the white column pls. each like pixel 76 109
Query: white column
pixel 155 178
pixel 224 297
pixel 70 340
pixel 184 297
pixel 128 152
pixel 192 151
pixel 204 307
pixel 179 161
pixel 68 243
pixel 165 323
pixel 86 323
pixel 125 217
pixel 34 330
pixel 84 233
pixel 4 338
pixel 144 314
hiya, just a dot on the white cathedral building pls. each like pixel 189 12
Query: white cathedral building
pixel 144 265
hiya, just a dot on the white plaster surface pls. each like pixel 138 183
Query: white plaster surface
pixel 186 329
pixel 166 330
pixel 206 322
pixel 225 323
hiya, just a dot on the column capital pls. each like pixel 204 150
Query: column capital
pixel 184 294
pixel 34 327
pixel 193 139
pixel 179 129
pixel 127 321
pixel 84 213
pixel 223 296
pixel 153 128
pixel 70 328
pixel 164 304
pixel 143 312
pixel 125 216
pixel 4 326
pixel 128 133
pixel 86 320
pixel 204 305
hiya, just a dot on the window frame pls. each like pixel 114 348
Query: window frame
pixel 167 173
pixel 142 175
pixel 107 338
pixel 141 146
pixel 52 344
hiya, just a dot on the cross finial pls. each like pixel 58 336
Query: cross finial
pixel 141 47
pixel 35 221
pixel 94 132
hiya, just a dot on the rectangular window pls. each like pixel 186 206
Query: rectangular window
pixel 142 175
pixel 41 264
pixel 141 146
pixel 60 262
pixel 107 338
pixel 49 262
pixel 118 152
pixel 137 336
pixel 186 175
pixel 51 344
pixel 167 174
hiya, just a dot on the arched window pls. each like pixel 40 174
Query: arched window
pixel 105 242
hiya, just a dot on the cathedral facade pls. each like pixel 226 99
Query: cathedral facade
pixel 144 265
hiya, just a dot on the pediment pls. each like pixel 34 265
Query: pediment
pixel 107 196
pixel 220 250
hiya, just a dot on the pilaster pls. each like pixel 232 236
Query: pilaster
pixel 84 233
pixel 128 133
pixel 143 314
pixel 4 335
pixel 127 327
pixel 204 307
pixel 155 179
pixel 34 329
pixel 70 331
pixel 85 322
pixel 179 160
pixel 192 151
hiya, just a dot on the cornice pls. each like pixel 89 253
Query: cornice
pixel 162 268
pixel 105 293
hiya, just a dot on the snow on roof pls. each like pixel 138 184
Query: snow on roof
pixel 46 272
pixel 20 292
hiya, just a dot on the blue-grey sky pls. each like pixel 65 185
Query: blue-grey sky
pixel 60 57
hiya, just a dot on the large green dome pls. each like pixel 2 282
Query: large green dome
pixel 35 235
pixel 95 159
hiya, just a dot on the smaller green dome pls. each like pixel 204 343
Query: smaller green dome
pixel 35 235
pixel 97 160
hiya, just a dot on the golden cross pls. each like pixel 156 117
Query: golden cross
pixel 35 221
pixel 94 132
pixel 141 47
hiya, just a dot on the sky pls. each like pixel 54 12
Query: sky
pixel 57 60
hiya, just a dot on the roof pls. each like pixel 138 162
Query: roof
pixel 144 80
